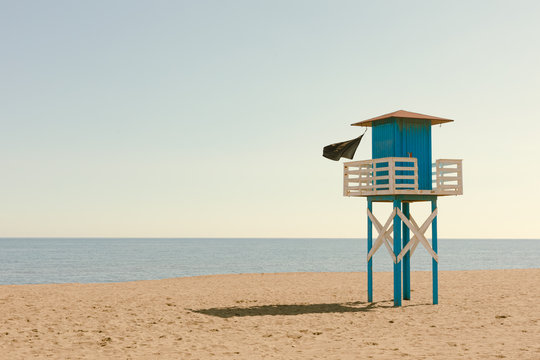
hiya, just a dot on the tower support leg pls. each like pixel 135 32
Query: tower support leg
pixel 407 257
pixel 370 261
pixel 397 250
pixel 434 263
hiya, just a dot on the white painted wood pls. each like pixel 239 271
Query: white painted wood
pixel 345 185
pixel 415 239
pixel 389 247
pixel 391 175
pixel 418 234
pixel 359 172
pixel 448 176
pixel 425 243
pixel 384 234
pixel 444 170
pixel 377 244
pixel 360 177
pixel 413 177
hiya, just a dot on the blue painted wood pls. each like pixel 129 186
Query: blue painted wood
pixel 399 137
pixel 434 264
pixel 382 144
pixel 369 245
pixel 397 250
pixel 407 257
pixel 415 136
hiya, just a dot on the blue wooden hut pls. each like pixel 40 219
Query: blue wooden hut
pixel 400 172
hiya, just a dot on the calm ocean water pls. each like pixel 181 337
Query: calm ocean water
pixel 32 261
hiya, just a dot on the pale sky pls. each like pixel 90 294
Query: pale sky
pixel 208 118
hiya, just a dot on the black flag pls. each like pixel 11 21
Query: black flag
pixel 344 149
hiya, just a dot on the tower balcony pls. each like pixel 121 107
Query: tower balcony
pixel 399 176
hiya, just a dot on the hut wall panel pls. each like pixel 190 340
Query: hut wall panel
pixel 383 144
pixel 397 137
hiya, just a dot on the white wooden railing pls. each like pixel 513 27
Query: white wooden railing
pixel 448 176
pixel 390 175
pixel 399 175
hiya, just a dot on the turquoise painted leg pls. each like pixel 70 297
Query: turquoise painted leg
pixel 370 262
pixel 435 265
pixel 407 257
pixel 397 250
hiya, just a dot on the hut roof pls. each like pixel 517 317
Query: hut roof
pixel 403 114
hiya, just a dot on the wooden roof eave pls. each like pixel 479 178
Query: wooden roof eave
pixel 402 114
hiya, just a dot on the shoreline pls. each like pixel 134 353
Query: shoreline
pixel 304 315
pixel 253 273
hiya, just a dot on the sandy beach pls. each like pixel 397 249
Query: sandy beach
pixel 481 315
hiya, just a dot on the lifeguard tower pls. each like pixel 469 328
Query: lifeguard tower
pixel 400 172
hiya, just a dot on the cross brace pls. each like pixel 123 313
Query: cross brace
pixel 384 235
pixel 386 239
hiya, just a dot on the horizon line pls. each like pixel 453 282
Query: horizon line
pixel 237 237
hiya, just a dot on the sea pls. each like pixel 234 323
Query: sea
pixel 96 260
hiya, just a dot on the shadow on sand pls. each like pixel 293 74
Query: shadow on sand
pixel 297 309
